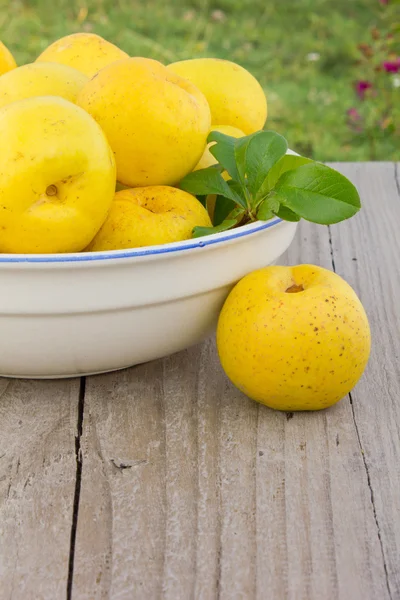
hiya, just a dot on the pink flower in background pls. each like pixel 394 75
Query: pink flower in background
pixel 353 114
pixel 362 87
pixel 375 115
pixel 392 66
pixel 354 120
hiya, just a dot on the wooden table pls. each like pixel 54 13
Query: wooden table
pixel 163 481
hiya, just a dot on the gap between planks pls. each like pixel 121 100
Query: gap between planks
pixel 350 399
pixel 368 475
pixel 78 482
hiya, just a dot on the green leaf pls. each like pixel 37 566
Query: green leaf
pixel 224 151
pixel 209 181
pixel 255 155
pixel 236 187
pixel 286 214
pixel 268 208
pixel 202 200
pixel 238 214
pixel 264 150
pixel 286 163
pixel 202 231
pixel 241 146
pixel 223 206
pixel 264 213
pixel 318 194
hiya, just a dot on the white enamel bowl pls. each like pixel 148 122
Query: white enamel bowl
pixel 73 314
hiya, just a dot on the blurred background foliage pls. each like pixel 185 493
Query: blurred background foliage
pixel 321 62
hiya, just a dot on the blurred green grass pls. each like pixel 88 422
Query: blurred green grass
pixel 303 52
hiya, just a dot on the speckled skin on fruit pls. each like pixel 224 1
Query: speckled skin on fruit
pixel 150 216
pixel 234 95
pixel 57 176
pixel 41 79
pixel 86 52
pixel 7 62
pixel 156 122
pixel 293 338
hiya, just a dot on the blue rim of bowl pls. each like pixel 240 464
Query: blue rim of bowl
pixel 149 251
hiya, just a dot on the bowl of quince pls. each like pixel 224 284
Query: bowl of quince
pixel 133 196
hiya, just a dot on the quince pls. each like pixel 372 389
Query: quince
pixel 294 338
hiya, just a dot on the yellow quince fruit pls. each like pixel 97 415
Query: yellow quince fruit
pixel 150 216
pixel 86 52
pixel 156 122
pixel 41 79
pixel 57 176
pixel 7 61
pixel 234 95
pixel 294 338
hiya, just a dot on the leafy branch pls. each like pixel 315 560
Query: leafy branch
pixel 265 182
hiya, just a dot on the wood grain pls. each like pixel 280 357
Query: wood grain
pixel 190 490
pixel 38 423
pixel 367 254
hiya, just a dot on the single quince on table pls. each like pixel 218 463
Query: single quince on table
pixel 294 338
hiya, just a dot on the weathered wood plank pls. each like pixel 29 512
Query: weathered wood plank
pixel 223 498
pixel 145 418
pixel 38 424
pixel 316 532
pixel 367 254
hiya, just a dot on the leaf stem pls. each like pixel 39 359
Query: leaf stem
pixel 246 196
